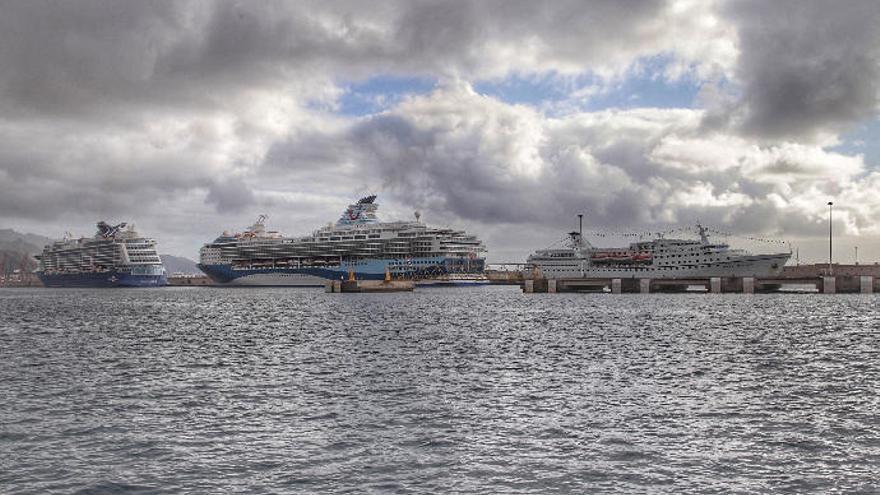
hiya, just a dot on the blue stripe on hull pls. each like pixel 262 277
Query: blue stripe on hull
pixel 363 270
pixel 101 280
pixel 224 274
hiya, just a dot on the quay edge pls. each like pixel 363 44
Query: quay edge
pixel 842 284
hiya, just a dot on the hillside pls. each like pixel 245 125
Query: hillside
pixel 17 252
pixel 179 264
pixel 17 242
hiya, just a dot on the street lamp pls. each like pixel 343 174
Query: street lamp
pixel 830 241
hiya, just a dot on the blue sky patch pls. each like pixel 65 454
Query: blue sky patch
pixel 865 140
pixel 643 86
pixel 379 93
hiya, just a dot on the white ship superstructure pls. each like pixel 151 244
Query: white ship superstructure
pixel 658 258
pixel 358 244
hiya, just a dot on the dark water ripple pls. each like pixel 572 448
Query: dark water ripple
pixel 481 390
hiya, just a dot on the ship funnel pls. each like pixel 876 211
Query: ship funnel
pixel 108 231
pixel 362 212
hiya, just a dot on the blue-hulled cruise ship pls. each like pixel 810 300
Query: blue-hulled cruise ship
pixel 115 257
pixel 357 245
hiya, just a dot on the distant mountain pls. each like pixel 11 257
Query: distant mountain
pixel 17 252
pixel 179 264
pixel 12 241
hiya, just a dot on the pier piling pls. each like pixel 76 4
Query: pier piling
pixel 829 285
pixel 864 279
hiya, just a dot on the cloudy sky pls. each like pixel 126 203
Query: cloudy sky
pixel 506 118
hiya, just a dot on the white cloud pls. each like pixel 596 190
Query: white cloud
pixel 172 111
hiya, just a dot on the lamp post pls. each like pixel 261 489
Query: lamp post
pixel 830 239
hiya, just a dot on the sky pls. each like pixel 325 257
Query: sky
pixel 504 118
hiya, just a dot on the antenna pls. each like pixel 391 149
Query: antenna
pixel 581 224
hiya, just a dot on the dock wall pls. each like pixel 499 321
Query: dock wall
pixel 839 284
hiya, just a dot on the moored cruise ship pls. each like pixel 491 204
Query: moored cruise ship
pixel 358 245
pixel 658 258
pixel 115 257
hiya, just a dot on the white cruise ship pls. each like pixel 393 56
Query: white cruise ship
pixel 358 245
pixel 114 257
pixel 658 258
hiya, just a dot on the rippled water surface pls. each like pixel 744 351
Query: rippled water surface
pixel 479 390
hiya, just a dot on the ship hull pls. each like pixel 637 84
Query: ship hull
pixel 101 280
pixel 377 269
pixel 278 277
pixel 226 275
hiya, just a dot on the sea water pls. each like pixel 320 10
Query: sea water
pixel 443 390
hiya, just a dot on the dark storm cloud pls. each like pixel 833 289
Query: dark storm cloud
pixel 230 195
pixel 806 66
pixel 90 55
pixel 464 36
pixel 80 56
pixel 129 84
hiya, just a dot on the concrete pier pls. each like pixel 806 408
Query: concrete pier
pixel 864 281
pixel 829 285
pixel 732 285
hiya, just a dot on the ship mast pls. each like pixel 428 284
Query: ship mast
pixel 704 239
